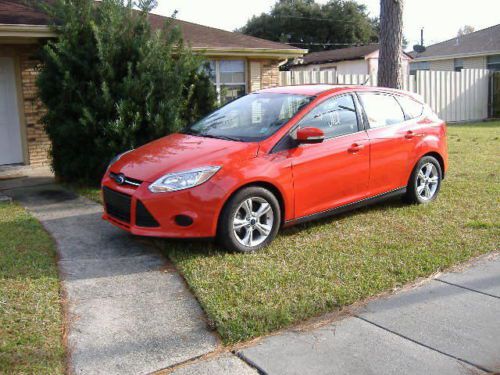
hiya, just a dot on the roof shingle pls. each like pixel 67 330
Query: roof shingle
pixel 481 41
pixel 15 12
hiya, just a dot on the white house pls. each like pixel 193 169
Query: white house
pixel 352 60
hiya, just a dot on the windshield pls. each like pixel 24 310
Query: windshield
pixel 251 118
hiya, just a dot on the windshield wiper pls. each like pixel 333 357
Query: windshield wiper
pixel 224 137
pixel 189 132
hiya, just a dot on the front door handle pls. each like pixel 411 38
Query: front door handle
pixel 355 147
pixel 409 134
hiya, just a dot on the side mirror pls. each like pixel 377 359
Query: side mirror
pixel 310 135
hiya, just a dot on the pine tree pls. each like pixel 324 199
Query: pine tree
pixel 110 83
pixel 391 43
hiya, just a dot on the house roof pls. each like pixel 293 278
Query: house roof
pixel 481 42
pixel 14 12
pixel 14 15
pixel 342 54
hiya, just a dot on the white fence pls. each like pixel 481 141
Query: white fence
pixel 454 96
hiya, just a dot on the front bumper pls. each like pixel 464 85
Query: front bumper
pixel 140 212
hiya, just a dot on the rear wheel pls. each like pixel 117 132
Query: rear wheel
pixel 250 220
pixel 425 181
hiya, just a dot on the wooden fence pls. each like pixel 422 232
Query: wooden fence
pixel 454 96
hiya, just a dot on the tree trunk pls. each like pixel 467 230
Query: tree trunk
pixel 391 35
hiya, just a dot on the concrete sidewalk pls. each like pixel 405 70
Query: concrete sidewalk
pixel 128 311
pixel 450 325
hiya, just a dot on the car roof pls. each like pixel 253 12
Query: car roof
pixel 317 89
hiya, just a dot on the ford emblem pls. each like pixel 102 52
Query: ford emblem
pixel 120 179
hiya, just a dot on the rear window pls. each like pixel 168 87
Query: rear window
pixel 381 109
pixel 411 107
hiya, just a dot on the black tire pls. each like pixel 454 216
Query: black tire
pixel 226 236
pixel 413 195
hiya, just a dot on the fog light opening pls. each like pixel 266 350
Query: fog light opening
pixel 183 220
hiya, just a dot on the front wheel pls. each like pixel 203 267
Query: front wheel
pixel 425 181
pixel 250 220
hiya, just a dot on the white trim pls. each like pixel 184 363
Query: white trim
pixel 251 52
pixel 455 56
pixel 27 31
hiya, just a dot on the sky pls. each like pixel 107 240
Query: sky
pixel 440 19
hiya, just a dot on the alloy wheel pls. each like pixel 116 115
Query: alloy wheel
pixel 253 221
pixel 427 181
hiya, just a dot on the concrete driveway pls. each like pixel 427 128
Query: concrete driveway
pixel 128 311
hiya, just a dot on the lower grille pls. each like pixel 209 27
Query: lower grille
pixel 117 204
pixel 143 218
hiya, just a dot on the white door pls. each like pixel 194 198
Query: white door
pixel 11 150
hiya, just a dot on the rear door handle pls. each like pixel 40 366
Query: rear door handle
pixel 355 147
pixel 411 134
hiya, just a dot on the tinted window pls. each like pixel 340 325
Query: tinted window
pixel 335 116
pixel 251 118
pixel 412 108
pixel 381 109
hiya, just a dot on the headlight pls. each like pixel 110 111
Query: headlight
pixel 183 180
pixel 117 157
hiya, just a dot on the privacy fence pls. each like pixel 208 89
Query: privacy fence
pixel 454 96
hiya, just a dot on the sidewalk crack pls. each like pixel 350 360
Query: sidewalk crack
pixel 467 288
pixel 250 363
pixel 424 345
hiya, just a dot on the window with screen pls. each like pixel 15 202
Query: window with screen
pixel 229 78
pixel 381 109
pixel 411 107
pixel 493 63
pixel 458 65
pixel 335 116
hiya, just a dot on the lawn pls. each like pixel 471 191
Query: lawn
pixel 323 266
pixel 30 308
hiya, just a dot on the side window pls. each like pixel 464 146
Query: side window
pixel 335 116
pixel 381 109
pixel 412 108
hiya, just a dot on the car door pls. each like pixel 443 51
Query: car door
pixel 390 146
pixel 336 171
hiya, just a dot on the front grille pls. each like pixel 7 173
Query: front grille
pixel 126 180
pixel 143 218
pixel 117 204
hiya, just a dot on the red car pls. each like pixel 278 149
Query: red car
pixel 278 157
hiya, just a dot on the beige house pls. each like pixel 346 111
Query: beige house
pixel 477 50
pixel 240 64
pixel 352 60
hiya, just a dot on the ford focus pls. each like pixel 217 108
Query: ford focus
pixel 275 158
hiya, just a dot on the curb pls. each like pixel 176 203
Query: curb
pixel 5 199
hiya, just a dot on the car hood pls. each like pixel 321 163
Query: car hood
pixel 180 152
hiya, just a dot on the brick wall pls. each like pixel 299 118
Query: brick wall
pixel 270 74
pixel 38 142
pixel 263 74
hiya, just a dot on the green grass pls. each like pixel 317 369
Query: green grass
pixel 91 193
pixel 323 266
pixel 30 308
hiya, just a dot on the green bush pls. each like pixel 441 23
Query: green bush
pixel 111 83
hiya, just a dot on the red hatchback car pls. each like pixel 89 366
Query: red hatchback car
pixel 277 157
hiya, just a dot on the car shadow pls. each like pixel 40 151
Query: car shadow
pixel 386 205
pixel 208 247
